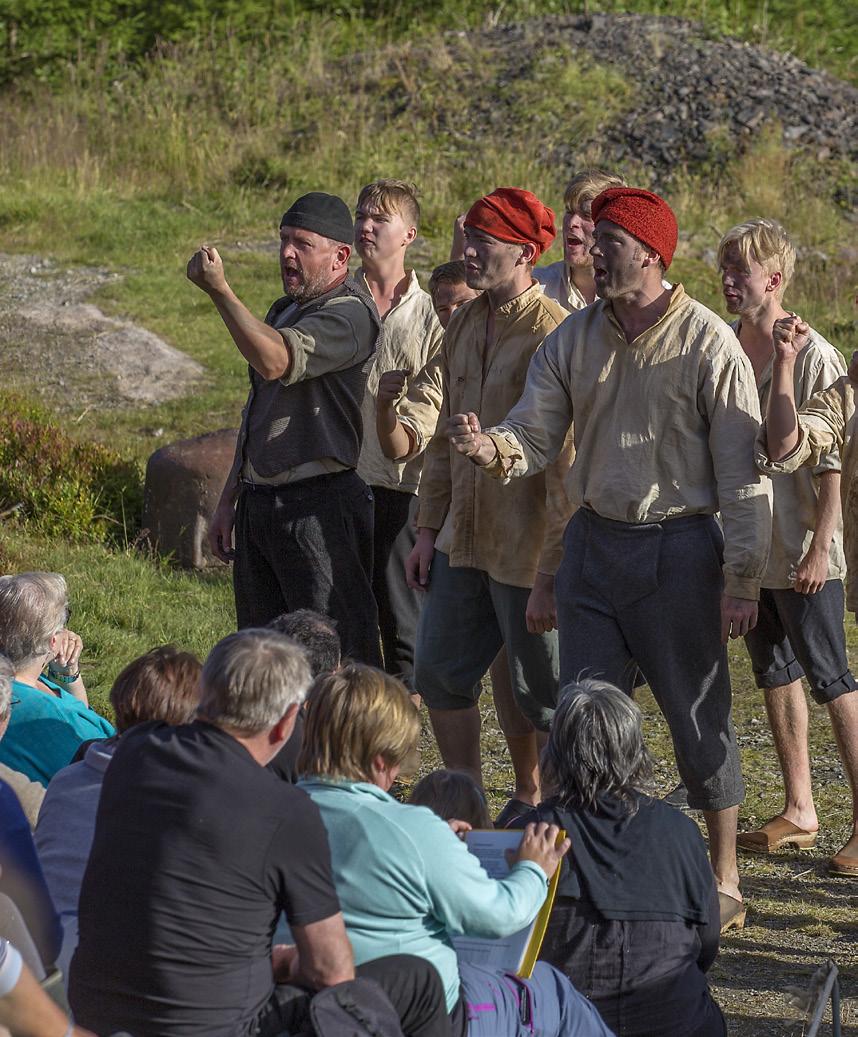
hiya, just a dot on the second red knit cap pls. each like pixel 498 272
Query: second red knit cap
pixel 643 214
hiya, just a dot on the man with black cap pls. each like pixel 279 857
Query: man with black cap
pixel 302 517
pixel 486 554
pixel 666 414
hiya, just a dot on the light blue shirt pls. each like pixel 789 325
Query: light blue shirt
pixel 46 728
pixel 406 883
pixel 64 834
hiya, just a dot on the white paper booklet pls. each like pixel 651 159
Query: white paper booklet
pixel 516 953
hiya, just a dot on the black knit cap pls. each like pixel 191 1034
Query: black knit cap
pixel 326 214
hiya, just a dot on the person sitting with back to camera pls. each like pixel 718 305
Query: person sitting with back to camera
pixel 635 922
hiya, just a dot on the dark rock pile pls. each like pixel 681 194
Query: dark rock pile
pixel 696 99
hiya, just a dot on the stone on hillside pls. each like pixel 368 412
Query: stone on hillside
pixel 183 484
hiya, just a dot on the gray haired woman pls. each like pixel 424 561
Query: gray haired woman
pixel 50 716
pixel 635 924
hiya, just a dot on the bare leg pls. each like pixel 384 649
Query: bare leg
pixel 518 731
pixel 788 718
pixel 844 721
pixel 721 826
pixel 457 732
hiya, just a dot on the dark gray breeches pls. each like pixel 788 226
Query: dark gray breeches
pixel 649 596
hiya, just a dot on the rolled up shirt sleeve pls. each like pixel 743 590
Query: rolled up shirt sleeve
pixel 420 408
pixel 821 428
pixel 436 484
pixel 729 398
pixel 330 340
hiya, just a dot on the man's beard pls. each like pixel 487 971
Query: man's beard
pixel 311 287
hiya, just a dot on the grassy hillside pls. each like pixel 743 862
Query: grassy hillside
pixel 210 140
pixel 41 37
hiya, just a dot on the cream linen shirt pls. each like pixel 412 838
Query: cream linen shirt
pixel 411 335
pixel 664 426
pixel 556 285
pixel 509 532
pixel 826 422
pixel 419 408
pixel 795 496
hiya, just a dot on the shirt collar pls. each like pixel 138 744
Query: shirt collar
pixel 411 289
pixel 357 788
pixel 678 297
pixel 515 307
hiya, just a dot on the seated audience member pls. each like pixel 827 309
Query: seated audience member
pixel 163 684
pixel 453 796
pixel 30 793
pixel 197 849
pixel 317 635
pixel 406 883
pixel 48 722
pixel 24 1007
pixel 635 923
pixel 21 877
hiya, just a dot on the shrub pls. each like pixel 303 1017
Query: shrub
pixel 59 487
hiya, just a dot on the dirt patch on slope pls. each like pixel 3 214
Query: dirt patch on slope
pixel 59 346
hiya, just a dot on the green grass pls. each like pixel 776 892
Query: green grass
pixel 42 38
pixel 210 143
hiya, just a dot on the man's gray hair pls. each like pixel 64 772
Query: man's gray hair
pixel 7 675
pixel 33 607
pixel 596 746
pixel 251 678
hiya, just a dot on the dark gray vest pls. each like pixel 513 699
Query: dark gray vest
pixel 289 425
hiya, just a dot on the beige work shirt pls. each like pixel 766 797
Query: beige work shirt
pixel 826 422
pixel 419 408
pixel 664 426
pixel 795 496
pixel 411 335
pixel 509 532
pixel 556 284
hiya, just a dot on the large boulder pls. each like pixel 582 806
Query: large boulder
pixel 183 484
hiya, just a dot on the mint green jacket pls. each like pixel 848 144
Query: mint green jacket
pixel 406 883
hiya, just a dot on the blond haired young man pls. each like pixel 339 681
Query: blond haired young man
pixel 791 440
pixel 386 220
pixel 570 280
pixel 799 632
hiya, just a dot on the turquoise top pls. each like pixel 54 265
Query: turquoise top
pixel 406 882
pixel 46 728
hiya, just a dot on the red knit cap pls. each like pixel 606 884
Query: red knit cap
pixel 511 214
pixel 643 214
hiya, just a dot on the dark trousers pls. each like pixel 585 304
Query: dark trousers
pixel 309 545
pixel 649 596
pixel 398 605
pixel 412 985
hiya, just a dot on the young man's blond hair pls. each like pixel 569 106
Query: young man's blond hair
pixel 585 185
pixel 765 242
pixel 392 196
